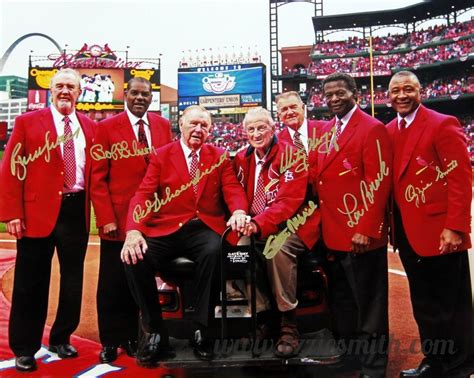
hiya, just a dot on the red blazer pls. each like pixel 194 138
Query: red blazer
pixel 309 233
pixel 285 194
pixel 37 198
pixel 340 176
pixel 168 177
pixel 433 142
pixel 115 181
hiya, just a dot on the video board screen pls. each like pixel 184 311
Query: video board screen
pixel 101 89
pixel 223 86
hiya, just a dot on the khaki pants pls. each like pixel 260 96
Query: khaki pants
pixel 281 272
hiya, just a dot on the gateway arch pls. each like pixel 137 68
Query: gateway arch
pixel 7 53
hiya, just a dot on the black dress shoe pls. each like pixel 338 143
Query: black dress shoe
pixel 64 350
pixel 149 351
pixel 108 354
pixel 130 347
pixel 25 363
pixel 203 348
pixel 425 370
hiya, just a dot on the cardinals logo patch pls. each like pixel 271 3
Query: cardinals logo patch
pixel 289 176
pixel 348 168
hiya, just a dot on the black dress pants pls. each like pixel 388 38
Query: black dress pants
pixel 440 291
pixel 32 277
pixel 358 295
pixel 195 241
pixel 117 311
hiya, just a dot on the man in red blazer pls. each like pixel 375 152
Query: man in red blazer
pixel 353 182
pixel 178 211
pixel 432 203
pixel 303 134
pixel 275 191
pixel 115 179
pixel 44 200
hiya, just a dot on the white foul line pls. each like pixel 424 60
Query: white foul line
pixel 398 272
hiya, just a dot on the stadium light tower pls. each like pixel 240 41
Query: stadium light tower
pixel 274 62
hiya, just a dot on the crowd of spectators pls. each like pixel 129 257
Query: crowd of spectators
pixel 227 135
pixel 387 43
pixel 468 124
pixel 445 87
pixel 383 64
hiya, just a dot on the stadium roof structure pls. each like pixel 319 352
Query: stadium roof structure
pixel 421 11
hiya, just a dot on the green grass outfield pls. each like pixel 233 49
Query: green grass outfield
pixel 93 226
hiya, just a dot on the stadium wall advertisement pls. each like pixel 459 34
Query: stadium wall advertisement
pixel 224 86
pixel 103 79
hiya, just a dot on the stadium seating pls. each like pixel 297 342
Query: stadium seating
pixel 354 45
pixel 449 86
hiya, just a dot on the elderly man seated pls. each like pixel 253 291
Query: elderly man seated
pixel 275 191
pixel 178 211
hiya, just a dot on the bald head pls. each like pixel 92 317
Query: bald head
pixel 405 74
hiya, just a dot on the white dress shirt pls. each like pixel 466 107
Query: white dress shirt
pixel 408 119
pixel 146 125
pixel 345 120
pixel 303 130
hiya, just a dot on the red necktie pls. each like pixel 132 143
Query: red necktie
pixel 298 142
pixel 338 128
pixel 258 203
pixel 69 156
pixel 403 124
pixel 193 169
pixel 142 141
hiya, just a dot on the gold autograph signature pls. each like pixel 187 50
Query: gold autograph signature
pixel 275 242
pixel 120 150
pixel 293 157
pixel 367 193
pixel 155 205
pixel 18 163
pixel 323 144
pixel 417 194
pixel 298 158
